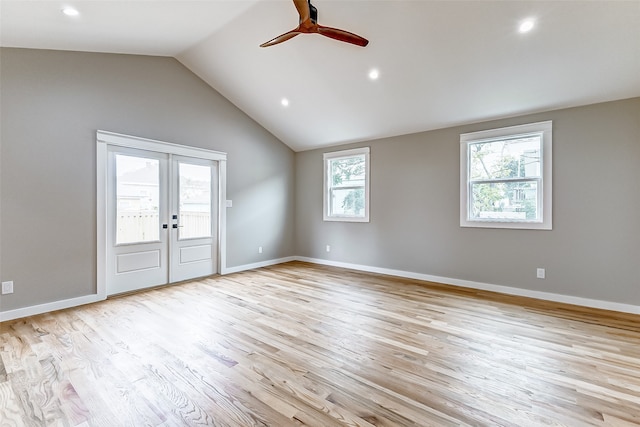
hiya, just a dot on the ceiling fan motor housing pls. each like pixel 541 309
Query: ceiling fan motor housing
pixel 313 13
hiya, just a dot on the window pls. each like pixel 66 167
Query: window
pixel 505 177
pixel 346 185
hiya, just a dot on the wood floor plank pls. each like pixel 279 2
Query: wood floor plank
pixel 299 344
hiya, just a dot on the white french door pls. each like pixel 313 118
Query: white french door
pixel 193 232
pixel 162 213
pixel 137 219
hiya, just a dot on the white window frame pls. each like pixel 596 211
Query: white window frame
pixel 545 185
pixel 327 186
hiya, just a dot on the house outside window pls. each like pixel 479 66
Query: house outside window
pixel 346 185
pixel 505 177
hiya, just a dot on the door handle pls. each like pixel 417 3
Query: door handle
pixel 177 226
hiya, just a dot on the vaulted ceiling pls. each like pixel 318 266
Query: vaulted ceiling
pixel 440 63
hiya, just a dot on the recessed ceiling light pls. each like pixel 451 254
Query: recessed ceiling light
pixel 284 102
pixel 374 74
pixel 69 11
pixel 526 25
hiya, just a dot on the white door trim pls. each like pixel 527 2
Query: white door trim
pixel 105 139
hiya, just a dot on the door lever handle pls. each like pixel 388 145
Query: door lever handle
pixel 177 226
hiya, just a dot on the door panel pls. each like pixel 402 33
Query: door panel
pixel 137 208
pixel 193 248
pixel 195 253
pixel 137 261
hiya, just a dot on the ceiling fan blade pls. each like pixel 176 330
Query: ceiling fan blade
pixel 281 38
pixel 303 7
pixel 342 35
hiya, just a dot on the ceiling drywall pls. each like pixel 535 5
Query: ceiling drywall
pixel 441 63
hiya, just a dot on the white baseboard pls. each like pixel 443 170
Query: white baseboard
pixel 48 307
pixel 546 296
pixel 74 302
pixel 239 268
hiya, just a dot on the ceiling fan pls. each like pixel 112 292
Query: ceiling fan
pixel 308 24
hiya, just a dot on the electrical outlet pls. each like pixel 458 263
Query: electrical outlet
pixel 7 287
pixel 259 249
pixel 540 273
pixel 328 248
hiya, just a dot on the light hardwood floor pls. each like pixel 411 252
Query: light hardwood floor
pixel 300 344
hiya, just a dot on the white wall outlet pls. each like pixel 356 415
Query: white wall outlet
pixel 229 203
pixel 540 273
pixel 259 249
pixel 7 287
pixel 328 248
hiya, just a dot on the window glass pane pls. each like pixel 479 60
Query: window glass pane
pixel 137 199
pixel 508 158
pixel 347 202
pixel 195 201
pixel 514 201
pixel 348 172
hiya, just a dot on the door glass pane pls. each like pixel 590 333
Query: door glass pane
pixel 137 199
pixel 195 201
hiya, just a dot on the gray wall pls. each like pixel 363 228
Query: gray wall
pixel 592 252
pixel 53 102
